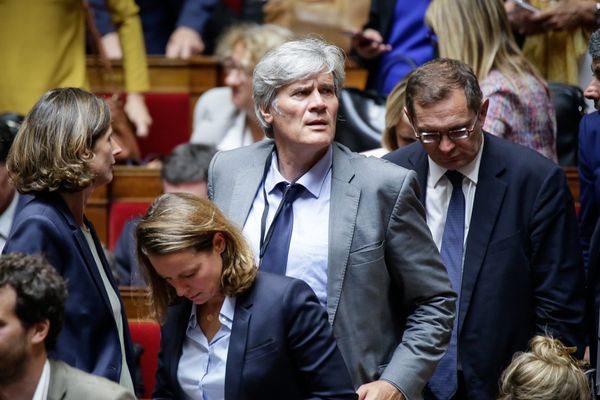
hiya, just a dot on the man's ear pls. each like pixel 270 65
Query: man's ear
pixel 39 331
pixel 267 115
pixel 483 111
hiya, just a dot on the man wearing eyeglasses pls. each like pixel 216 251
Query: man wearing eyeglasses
pixel 503 219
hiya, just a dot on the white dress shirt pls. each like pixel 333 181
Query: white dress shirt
pixel 41 390
pixel 202 366
pixel 439 191
pixel 309 246
pixel 6 220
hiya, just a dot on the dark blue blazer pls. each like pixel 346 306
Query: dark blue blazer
pixel 89 338
pixel 522 272
pixel 159 19
pixel 589 178
pixel 281 346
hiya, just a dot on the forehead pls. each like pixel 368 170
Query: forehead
pixel 443 113
pixel 322 78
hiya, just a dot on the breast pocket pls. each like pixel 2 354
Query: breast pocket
pixel 262 349
pixel 368 254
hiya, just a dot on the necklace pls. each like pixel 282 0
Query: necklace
pixel 210 317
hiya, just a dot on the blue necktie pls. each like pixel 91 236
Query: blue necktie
pixel 276 254
pixel 444 382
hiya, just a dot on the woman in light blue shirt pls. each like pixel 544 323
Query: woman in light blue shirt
pixel 229 331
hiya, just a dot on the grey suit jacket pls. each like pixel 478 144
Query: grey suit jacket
pixel 68 383
pixel 388 295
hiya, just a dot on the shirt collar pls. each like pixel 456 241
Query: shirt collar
pixel 312 180
pixel 471 170
pixel 41 390
pixel 225 314
pixel 7 216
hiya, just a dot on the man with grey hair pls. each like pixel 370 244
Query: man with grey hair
pixel 504 220
pixel 352 227
pixel 589 197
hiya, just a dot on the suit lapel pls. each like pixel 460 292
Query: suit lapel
pixel 246 184
pixel 57 388
pixel 486 206
pixel 343 208
pixel 81 241
pixel 420 164
pixel 237 345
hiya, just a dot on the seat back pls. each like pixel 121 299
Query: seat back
pixel 120 212
pixel 171 123
pixel 569 105
pixel 147 334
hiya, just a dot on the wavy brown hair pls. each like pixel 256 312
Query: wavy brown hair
pixel 180 221
pixel 53 147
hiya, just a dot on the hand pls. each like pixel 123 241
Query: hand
pixel 379 390
pixel 520 19
pixel 369 44
pixel 183 43
pixel 136 110
pixel 112 46
pixel 566 14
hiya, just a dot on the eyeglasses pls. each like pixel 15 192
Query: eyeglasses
pixel 454 135
pixel 230 65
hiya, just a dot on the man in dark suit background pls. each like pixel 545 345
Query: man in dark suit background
pixel 506 228
pixel 32 308
pixel 357 233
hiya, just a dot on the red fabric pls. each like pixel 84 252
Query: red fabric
pixel 119 213
pixel 147 334
pixel 171 123
pixel 234 5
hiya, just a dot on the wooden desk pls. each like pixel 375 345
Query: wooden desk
pixel 193 76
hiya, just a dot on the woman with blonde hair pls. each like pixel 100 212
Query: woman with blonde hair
pixel 547 372
pixel 62 152
pixel 478 33
pixel 225 116
pixel 229 331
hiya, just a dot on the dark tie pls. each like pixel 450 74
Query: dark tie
pixel 444 382
pixel 278 246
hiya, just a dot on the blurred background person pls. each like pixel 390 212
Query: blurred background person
pixel 63 151
pixel 185 170
pixel 50 53
pixel 394 41
pixel 170 27
pixel 397 132
pixel 32 311
pixel 10 201
pixel 225 116
pixel 230 332
pixel 520 108
pixel 546 372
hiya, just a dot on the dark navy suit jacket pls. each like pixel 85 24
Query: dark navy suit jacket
pixel 589 178
pixel 281 346
pixel 522 272
pixel 89 338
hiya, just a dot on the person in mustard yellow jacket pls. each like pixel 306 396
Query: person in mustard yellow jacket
pixel 43 45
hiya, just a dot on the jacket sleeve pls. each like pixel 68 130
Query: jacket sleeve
pixel 588 213
pixel 315 354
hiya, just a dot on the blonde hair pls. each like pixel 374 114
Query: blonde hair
pixel 256 40
pixel 180 221
pixel 394 111
pixel 478 33
pixel 53 147
pixel 547 372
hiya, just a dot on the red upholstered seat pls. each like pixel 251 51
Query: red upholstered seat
pixel 119 213
pixel 171 123
pixel 147 334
